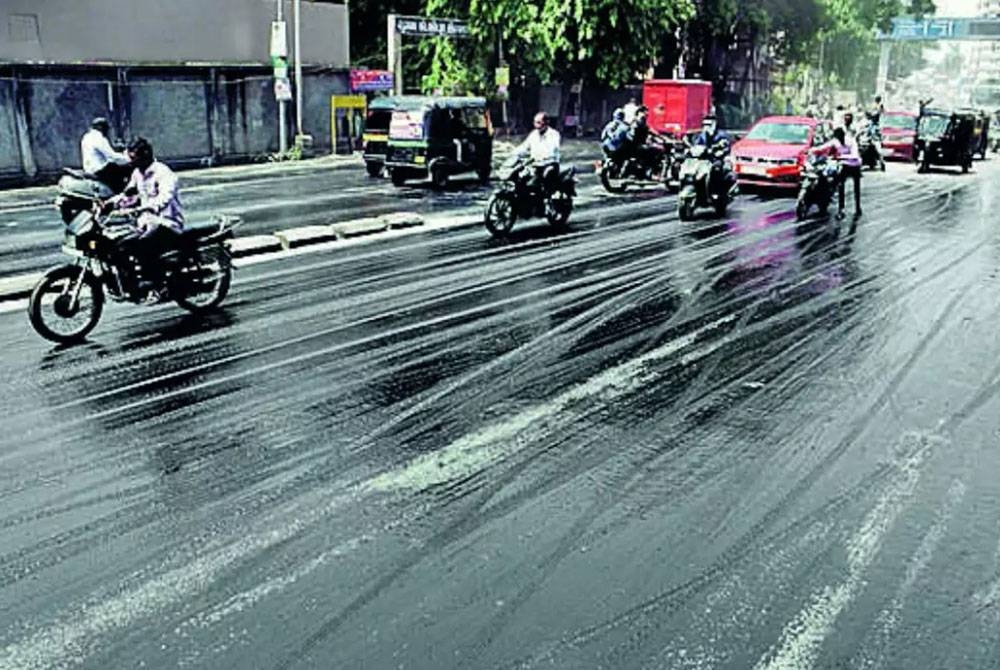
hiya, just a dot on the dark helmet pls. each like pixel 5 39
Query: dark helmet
pixel 101 123
pixel 141 152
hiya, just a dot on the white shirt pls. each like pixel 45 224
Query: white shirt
pixel 630 110
pixel 543 149
pixel 97 152
pixel 158 192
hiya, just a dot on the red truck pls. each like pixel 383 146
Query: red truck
pixel 676 106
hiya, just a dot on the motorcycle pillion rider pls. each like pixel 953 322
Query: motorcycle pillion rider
pixel 153 191
pixel 614 137
pixel 542 146
pixel 99 158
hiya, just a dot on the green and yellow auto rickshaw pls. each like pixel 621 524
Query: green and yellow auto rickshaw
pixel 376 134
pixel 439 138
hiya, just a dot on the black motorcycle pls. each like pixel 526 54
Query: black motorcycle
pixel 68 301
pixel 624 168
pixel 870 147
pixel 820 177
pixel 521 195
pixel 705 181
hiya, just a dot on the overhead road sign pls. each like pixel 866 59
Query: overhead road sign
pixel 909 29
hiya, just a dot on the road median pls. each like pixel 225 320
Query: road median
pixel 283 243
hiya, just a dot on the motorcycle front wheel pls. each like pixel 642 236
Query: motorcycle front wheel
pixel 612 185
pixel 61 313
pixel 205 284
pixel 500 215
pixel 801 209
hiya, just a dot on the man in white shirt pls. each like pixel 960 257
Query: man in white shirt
pixel 542 145
pixel 99 157
pixel 631 108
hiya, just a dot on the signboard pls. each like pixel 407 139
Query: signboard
pixel 282 90
pixel 503 77
pixel 279 40
pixel 280 66
pixel 427 27
pixel 907 29
pixel 371 80
pixel 348 101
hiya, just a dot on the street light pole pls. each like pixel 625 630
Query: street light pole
pixel 282 105
pixel 298 66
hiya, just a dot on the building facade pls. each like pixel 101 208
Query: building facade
pixel 193 76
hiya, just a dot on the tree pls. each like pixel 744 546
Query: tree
pixel 605 42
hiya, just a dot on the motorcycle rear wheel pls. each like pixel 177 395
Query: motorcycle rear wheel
pixel 500 215
pixel 801 209
pixel 214 262
pixel 558 210
pixel 54 291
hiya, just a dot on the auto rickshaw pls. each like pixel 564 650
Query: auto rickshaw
pixel 439 138
pixel 376 134
pixel 945 138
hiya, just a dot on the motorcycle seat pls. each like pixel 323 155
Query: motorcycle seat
pixel 79 174
pixel 201 228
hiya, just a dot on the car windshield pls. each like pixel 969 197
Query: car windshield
pixel 780 133
pixel 933 126
pixel 901 121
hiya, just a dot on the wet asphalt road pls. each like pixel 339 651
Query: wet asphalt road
pixel 642 444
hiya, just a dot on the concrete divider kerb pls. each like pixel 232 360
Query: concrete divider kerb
pixel 282 243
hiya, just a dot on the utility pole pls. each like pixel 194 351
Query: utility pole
pixel 297 8
pixel 394 55
pixel 282 105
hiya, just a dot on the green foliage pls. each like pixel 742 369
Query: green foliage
pixel 593 41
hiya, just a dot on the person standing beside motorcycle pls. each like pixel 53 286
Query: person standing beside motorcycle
pixel 99 158
pixel 153 190
pixel 844 148
pixel 542 146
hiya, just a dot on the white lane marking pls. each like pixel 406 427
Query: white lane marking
pixel 874 653
pixel 804 635
pixel 74 635
pixel 496 442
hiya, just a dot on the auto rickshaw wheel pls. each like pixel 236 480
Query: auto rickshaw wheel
pixel 484 174
pixel 398 177
pixel 439 178
pixel 373 169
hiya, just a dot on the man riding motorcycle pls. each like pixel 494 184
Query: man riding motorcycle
pixel 153 191
pixel 99 158
pixel 542 146
pixel 639 145
pixel 711 136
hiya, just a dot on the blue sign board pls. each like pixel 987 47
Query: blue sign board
pixel 908 29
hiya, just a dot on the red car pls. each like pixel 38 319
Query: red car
pixel 773 152
pixel 899 129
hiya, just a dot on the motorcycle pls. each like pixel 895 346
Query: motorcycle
pixel 703 181
pixel 618 172
pixel 820 176
pixel 519 196
pixel 870 147
pixel 67 302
